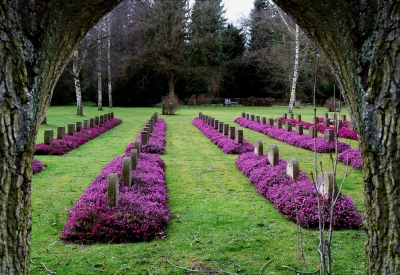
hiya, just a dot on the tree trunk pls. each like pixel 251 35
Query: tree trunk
pixel 295 70
pixel 361 40
pixel 171 85
pixel 75 72
pixel 99 79
pixel 38 38
pixel 110 103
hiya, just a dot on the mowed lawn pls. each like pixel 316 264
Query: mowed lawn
pixel 218 222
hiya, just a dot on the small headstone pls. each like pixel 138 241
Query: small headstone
pixel 144 137
pixel 212 121
pixel 339 124
pixel 257 119
pixel 134 158
pixel 96 121
pixel 334 116
pixel 105 117
pixel 112 115
pixel 226 129
pixel 316 120
pixel 61 132
pixel 264 120
pixel 312 132
pixel 201 115
pixel 71 129
pixel 291 116
pixel 239 136
pixel 326 115
pixel 343 117
pixel 285 115
pixel 247 116
pixel 138 147
pixel 216 124
pixel 220 127
pixel 252 117
pixel 293 169
pixel 127 171
pixel 279 124
pixel 232 132
pixel 101 119
pixel 297 104
pixel 78 126
pixel 48 137
pixel 243 115
pixel 112 190
pixel 299 129
pixel 326 185
pixel 271 122
pixel 156 115
pixel 91 122
pixel 298 117
pixel 86 124
pixel 258 148
pixel 273 154
pixel 288 126
pixel 327 122
pixel 329 135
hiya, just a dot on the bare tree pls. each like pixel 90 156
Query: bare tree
pixel 76 68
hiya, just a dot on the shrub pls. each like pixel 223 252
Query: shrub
pixel 170 104
pixel 37 166
pixel 351 157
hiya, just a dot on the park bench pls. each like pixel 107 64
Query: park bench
pixel 228 102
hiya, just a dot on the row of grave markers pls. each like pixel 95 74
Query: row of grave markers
pixel 329 134
pixel 129 164
pixel 325 181
pixel 73 128
pixel 223 128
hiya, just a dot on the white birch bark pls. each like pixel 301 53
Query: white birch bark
pixel 99 80
pixel 76 68
pixel 295 70
pixel 110 103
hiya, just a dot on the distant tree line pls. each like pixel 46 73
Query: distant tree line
pixel 145 49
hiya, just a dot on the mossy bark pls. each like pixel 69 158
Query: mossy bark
pixel 361 42
pixel 37 40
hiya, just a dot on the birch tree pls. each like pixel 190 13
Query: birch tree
pixel 109 86
pixel 76 68
pixel 99 68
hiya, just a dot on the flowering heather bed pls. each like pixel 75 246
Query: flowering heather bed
pixel 142 213
pixel 292 138
pixel 229 146
pixel 284 193
pixel 351 157
pixel 68 143
pixel 37 165
pixel 156 143
pixel 343 132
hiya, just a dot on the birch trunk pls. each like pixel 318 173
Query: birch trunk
pixel 99 78
pixel 360 40
pixel 37 41
pixel 295 70
pixel 110 103
pixel 75 72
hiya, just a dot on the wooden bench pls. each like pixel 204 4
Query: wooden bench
pixel 228 102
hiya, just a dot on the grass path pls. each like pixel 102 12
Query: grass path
pixel 218 221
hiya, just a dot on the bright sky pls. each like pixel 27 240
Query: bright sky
pixel 236 9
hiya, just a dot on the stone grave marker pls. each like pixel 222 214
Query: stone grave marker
pixel 252 117
pixel 96 121
pixel 271 122
pixel 101 119
pixel 327 122
pixel 127 171
pixel 247 116
pixel 326 185
pixel 61 132
pixel 326 115
pixel 239 136
pixel 91 122
pixel 329 135
pixel 285 115
pixel 279 124
pixel 112 115
pixel 298 117
pixel 264 120
pixel 78 126
pixel 220 127
pixel 226 129
pixel 273 154
pixel 134 158
pixel 258 148
pixel 112 190
pixel 288 126
pixel 299 129
pixel 71 129
pixel 138 147
pixel 293 169
pixel 257 119
pixel 311 132
pixel 343 117
pixel 243 115
pixel 48 137
pixel 86 124
pixel 232 132
pixel 216 124
pixel 144 137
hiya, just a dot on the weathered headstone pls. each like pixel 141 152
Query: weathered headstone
pixel 239 136
pixel 327 122
pixel 243 115
pixel 326 115
pixel 232 132
pixel 285 115
pixel 78 126
pixel 212 121
pixel 127 171
pixel 299 129
pixel 134 158
pixel 343 117
pixel 279 124
pixel 339 124
pixel 271 122
pixel 264 120
pixel 201 115
pixel 316 120
pixel 220 127
pixel 138 147
pixel 216 124
pixel 96 121
pixel 298 117
pixel 91 122
pixel 101 119
pixel 291 116
pixel 329 135
pixel 288 126
pixel 334 116
pixel 247 116
pixel 48 137
pixel 61 132
pixel 326 185
pixel 252 117
pixel 273 154
pixel 257 119
pixel 293 169
pixel 71 129
pixel 258 148
pixel 86 124
pixel 144 137
pixel 226 129
pixel 105 117
pixel 297 104
pixel 312 132
pixel 112 115
pixel 112 190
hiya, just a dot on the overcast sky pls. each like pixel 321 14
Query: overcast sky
pixel 236 9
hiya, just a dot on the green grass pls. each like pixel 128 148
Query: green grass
pixel 218 220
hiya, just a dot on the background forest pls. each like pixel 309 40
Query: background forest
pixel 144 49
